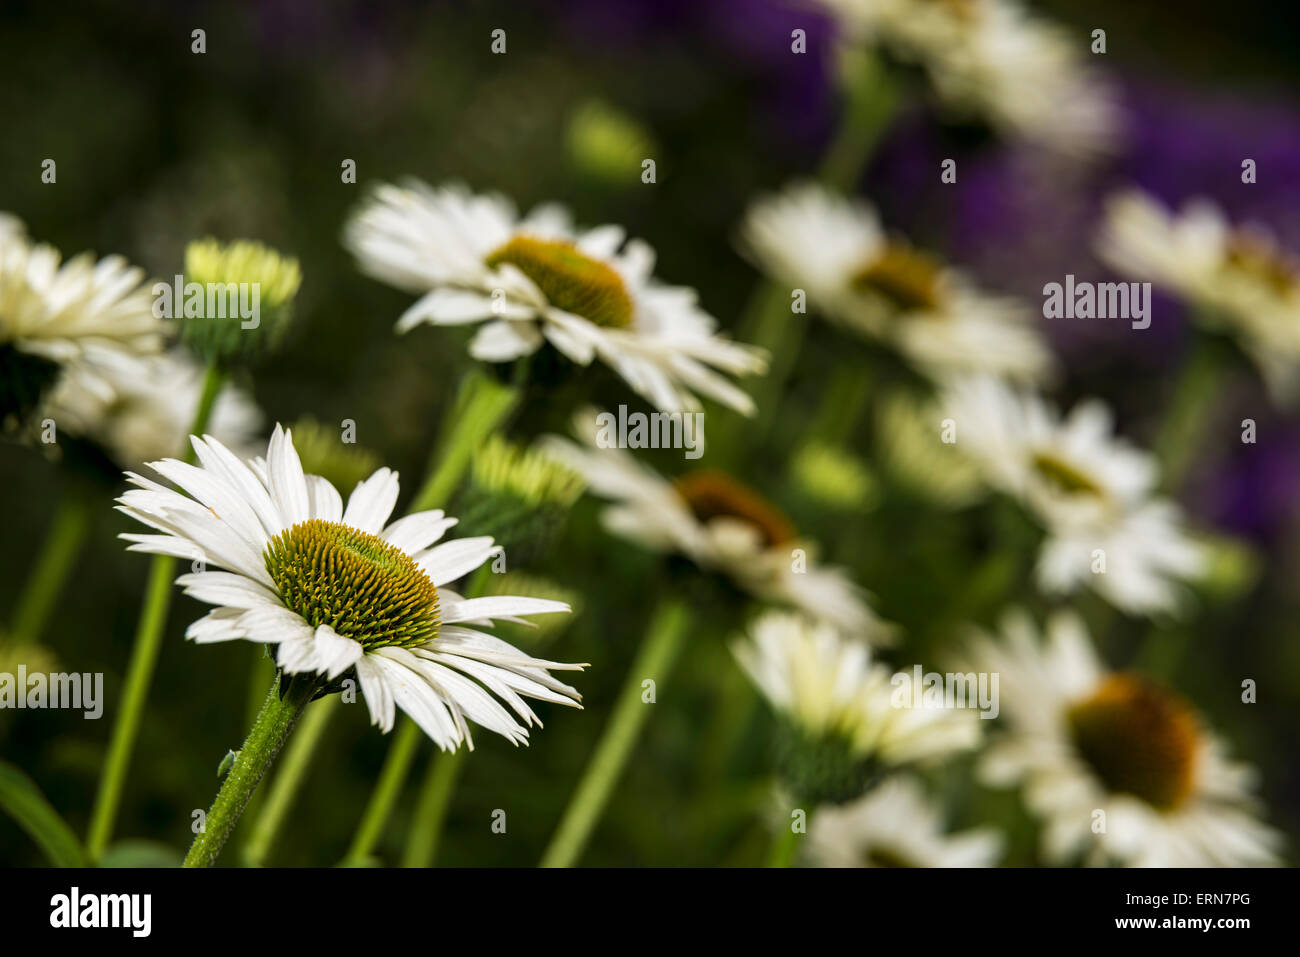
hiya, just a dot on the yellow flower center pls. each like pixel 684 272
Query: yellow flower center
pixel 711 494
pixel 1138 739
pixel 908 279
pixel 570 280
pixel 358 584
pixel 1264 262
pixel 1064 477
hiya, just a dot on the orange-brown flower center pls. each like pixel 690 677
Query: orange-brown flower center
pixel 1139 739
pixel 712 494
pixel 910 280
pixel 569 279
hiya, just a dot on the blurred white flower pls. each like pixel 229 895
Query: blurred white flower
pixel 140 409
pixel 54 312
pixel 1093 493
pixel 334 588
pixel 880 288
pixel 895 824
pixel 720 525
pixel 590 293
pixel 990 60
pixel 1236 278
pixel 842 706
pixel 1118 768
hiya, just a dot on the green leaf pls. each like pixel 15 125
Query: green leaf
pixel 25 803
pixel 136 853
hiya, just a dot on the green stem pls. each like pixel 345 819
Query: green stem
pixel 654 660
pixel 284 788
pixel 842 404
pixel 480 408
pixel 391 778
pixel 401 754
pixel 1188 413
pixel 783 848
pixel 263 669
pixel 870 103
pixel 431 808
pixel 737 704
pixel 50 572
pixel 144 657
pixel 271 729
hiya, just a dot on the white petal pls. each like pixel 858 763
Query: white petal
pixel 451 560
pixel 224 588
pixel 325 501
pixel 372 501
pixel 503 341
pixel 288 482
pixel 499 606
pixel 379 698
pixel 416 532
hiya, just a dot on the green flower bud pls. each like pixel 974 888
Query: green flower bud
pixel 237 301
pixel 520 497
pixel 607 144
pixel 833 477
pixel 323 452
pixel 909 436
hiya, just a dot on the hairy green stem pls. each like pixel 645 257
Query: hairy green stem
pixel 654 661
pixel 274 723
pixel 287 782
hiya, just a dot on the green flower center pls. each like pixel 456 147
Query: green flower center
pixel 711 494
pixel 570 281
pixel 358 584
pixel 1138 739
pixel 1064 477
pixel 908 279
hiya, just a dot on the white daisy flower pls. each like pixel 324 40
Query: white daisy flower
pixel 720 525
pixel 1236 277
pixel 139 409
pixel 335 588
pixel 844 721
pixel 988 59
pixel 882 289
pixel 1080 739
pixel 53 313
pixel 1091 491
pixel 537 279
pixel 895 824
